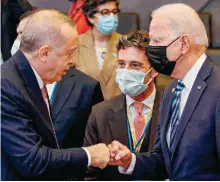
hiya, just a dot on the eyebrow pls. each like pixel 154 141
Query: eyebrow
pixel 120 60
pixel 108 9
pixel 136 62
pixel 73 49
pixel 131 62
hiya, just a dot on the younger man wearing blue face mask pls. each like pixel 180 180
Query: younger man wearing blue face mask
pixel 130 118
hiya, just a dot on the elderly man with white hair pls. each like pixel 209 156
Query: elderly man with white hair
pixel 188 135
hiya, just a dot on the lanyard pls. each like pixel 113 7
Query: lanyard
pixel 131 146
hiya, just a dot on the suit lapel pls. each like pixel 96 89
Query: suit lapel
pixel 31 84
pixel 192 101
pixel 154 122
pixel 110 58
pixel 62 92
pixel 117 121
pixel 165 120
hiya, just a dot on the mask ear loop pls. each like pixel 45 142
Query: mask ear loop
pixel 173 41
pixel 151 79
pixel 171 44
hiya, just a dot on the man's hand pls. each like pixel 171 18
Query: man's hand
pixel 120 155
pixel 100 156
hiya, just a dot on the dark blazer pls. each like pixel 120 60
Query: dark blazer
pixel 11 12
pixel 71 105
pixel 107 123
pixel 29 150
pixel 197 144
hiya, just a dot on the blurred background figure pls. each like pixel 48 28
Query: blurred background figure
pixel 11 10
pixel 97 54
pixel 76 13
pixel 23 20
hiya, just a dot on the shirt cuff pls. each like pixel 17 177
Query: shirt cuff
pixel 88 155
pixel 130 168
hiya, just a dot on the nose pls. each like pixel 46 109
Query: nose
pixel 127 66
pixel 73 60
pixel 151 43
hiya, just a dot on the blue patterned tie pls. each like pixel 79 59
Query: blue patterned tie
pixel 174 122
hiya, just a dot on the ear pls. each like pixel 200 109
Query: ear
pixel 91 20
pixel 154 73
pixel 43 53
pixel 185 43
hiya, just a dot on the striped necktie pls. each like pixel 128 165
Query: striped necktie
pixel 46 97
pixel 46 100
pixel 174 121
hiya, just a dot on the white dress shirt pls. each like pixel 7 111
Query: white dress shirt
pixel 148 104
pixel 1 58
pixel 188 81
pixel 41 84
pixel 39 80
pixel 50 88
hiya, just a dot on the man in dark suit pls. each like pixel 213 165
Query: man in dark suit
pixel 71 102
pixel 121 117
pixel 71 99
pixel 30 150
pixel 188 135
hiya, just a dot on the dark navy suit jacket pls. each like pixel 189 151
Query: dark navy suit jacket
pixel 197 143
pixel 29 150
pixel 71 105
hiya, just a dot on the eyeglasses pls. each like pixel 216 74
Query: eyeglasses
pixel 107 12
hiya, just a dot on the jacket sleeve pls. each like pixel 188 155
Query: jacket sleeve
pixel 218 128
pixel 23 146
pixel 151 165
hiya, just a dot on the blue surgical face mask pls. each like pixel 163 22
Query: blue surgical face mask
pixel 131 82
pixel 107 24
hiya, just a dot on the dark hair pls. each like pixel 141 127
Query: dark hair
pixel 90 7
pixel 27 14
pixel 139 39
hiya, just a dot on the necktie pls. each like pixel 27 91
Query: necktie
pixel 46 100
pixel 174 121
pixel 46 97
pixel 139 121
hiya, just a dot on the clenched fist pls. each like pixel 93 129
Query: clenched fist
pixel 100 155
pixel 120 155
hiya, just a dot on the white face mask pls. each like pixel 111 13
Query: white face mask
pixel 131 82
pixel 15 46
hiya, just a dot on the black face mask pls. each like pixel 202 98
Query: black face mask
pixel 157 56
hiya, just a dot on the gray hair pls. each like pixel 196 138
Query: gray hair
pixel 43 28
pixel 184 20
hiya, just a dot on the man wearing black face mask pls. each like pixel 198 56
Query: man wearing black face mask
pixel 188 135
pixel 158 58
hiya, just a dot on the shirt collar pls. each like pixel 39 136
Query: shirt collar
pixel 190 77
pixel 39 80
pixel 149 102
